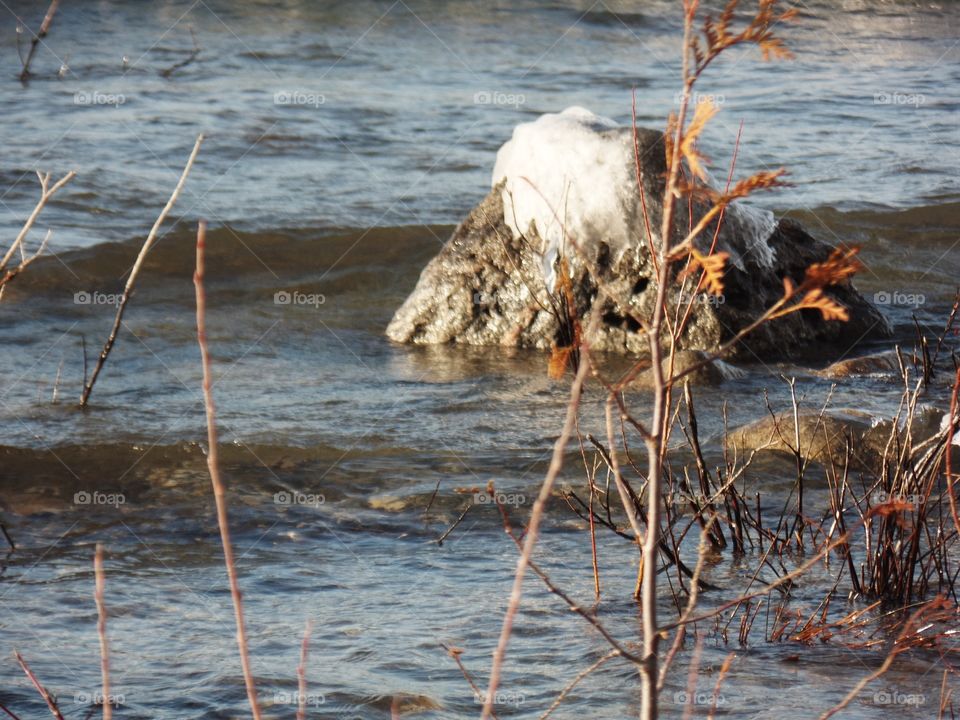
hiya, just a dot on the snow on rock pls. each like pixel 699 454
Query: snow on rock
pixel 754 227
pixel 567 183
pixel 572 175
pixel 943 428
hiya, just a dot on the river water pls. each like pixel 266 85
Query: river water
pixel 343 142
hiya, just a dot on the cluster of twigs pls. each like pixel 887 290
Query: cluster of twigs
pixel 38 37
pixel 907 551
pixel 16 259
pixel 912 554
pixel 10 267
pixel 220 496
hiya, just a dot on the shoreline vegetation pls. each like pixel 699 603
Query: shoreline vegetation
pixel 881 554
pixel 909 562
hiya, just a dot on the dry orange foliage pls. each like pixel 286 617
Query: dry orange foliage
pixel 717 35
pixel 562 355
pixel 838 268
pixel 688 144
pixel 713 265
pixel 814 299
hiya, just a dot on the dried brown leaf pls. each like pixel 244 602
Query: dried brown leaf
pixel 713 269
pixel 688 143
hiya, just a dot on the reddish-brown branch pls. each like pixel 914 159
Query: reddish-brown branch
pixel 951 432
pixel 35 41
pixel 533 531
pixel 44 693
pixel 219 489
pixel 99 584
pixel 302 672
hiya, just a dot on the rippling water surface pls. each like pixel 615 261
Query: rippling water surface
pixel 343 141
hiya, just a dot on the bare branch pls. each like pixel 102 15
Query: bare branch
pixel 219 489
pixel 135 272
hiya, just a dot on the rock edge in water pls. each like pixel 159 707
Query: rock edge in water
pixel 487 285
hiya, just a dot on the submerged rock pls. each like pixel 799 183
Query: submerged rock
pixel 566 186
pixel 824 436
pixel 884 364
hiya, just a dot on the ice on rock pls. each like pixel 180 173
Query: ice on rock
pixel 944 423
pixel 754 226
pixel 572 175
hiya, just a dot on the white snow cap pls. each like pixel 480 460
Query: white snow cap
pixel 575 171
pixel 943 426
pixel 573 176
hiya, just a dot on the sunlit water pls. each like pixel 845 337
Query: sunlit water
pixel 324 121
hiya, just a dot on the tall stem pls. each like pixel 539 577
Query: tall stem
pixel 213 465
pixel 654 444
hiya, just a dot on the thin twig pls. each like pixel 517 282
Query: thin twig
pixel 99 584
pixel 183 63
pixel 55 396
pixel 6 535
pixel 8 711
pixel 446 534
pixel 455 653
pixel 724 669
pixel 135 271
pixel 888 661
pixel 576 681
pixel 948 453
pixel 219 490
pixel 47 191
pixel 44 693
pixel 533 530
pixel 302 672
pixel 35 41
pixel 704 548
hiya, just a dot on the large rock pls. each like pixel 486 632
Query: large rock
pixel 566 185
pixel 824 436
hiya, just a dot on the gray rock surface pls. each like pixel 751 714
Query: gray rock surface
pixel 824 436
pixel 487 286
pixel 883 364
